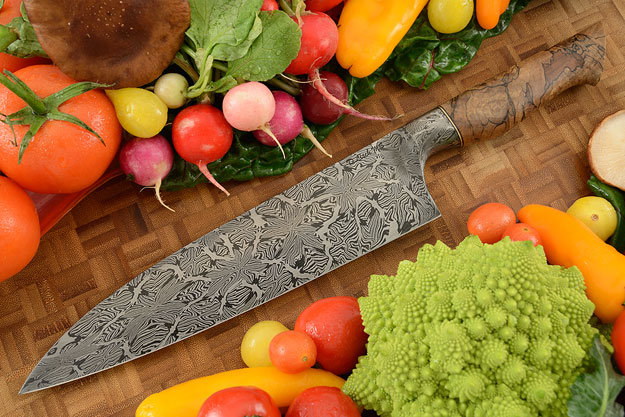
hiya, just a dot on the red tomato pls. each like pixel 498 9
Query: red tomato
pixel 239 402
pixel 292 352
pixel 62 157
pixel 321 5
pixel 489 221
pixel 269 5
pixel 335 324
pixel 322 402
pixel 618 341
pixel 522 231
pixel 10 10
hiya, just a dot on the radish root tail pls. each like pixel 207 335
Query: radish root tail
pixel 204 170
pixel 157 190
pixel 308 134
pixel 267 130
pixel 319 86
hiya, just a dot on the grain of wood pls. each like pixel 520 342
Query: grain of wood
pixel 118 231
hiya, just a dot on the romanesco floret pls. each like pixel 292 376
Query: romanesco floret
pixel 479 331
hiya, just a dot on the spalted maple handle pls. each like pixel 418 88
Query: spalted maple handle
pixel 494 107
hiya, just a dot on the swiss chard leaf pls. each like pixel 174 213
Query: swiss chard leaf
pixel 594 394
pixel 272 51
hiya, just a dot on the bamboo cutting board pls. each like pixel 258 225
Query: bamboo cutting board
pixel 119 231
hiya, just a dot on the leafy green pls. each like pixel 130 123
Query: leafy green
pixel 272 51
pixel 219 30
pixel 424 55
pixel 23 40
pixel 594 393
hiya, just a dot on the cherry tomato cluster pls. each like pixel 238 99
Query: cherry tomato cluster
pixel 491 222
pixel 328 333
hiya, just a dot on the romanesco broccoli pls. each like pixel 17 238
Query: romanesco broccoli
pixel 479 331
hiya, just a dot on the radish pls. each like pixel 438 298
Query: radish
pixel 316 108
pixel 318 45
pixel 250 106
pixel 147 161
pixel 286 123
pixel 202 135
pixel 321 5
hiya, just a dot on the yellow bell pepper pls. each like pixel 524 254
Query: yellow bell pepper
pixel 369 30
pixel 186 399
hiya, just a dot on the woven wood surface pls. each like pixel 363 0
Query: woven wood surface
pixel 118 231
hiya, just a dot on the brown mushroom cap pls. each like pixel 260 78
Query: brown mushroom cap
pixel 123 42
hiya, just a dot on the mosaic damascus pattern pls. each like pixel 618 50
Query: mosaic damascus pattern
pixel 335 216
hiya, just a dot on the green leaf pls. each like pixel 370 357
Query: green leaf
pixel 272 51
pixel 221 22
pixel 225 52
pixel 594 394
pixel 26 45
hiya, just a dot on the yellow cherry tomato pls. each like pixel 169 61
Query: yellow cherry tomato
pixel 140 112
pixel 596 213
pixel 255 343
pixel 450 16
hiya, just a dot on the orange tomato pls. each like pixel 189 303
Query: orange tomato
pixel 292 351
pixel 10 10
pixel 19 228
pixel 489 221
pixel 521 232
pixel 62 157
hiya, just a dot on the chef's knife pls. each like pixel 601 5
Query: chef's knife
pixel 335 216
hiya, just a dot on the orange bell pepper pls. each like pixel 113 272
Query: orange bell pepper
pixel 369 30
pixel 569 242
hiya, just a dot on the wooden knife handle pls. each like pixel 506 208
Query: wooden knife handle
pixel 494 107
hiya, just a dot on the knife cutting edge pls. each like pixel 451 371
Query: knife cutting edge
pixel 349 209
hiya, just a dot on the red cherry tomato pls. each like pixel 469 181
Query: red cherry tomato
pixel 292 352
pixel 335 324
pixel 239 402
pixel 322 402
pixel 269 5
pixel 618 341
pixel 489 221
pixel 522 231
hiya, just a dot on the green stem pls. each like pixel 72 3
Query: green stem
pixel 220 66
pixel 284 86
pixel 187 68
pixel 23 91
pixel 286 7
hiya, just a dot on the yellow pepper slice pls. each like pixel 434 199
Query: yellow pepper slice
pixel 186 399
pixel 369 30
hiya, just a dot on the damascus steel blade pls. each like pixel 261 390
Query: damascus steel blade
pixel 335 216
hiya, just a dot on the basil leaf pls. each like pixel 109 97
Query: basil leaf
pixel 272 51
pixel 594 394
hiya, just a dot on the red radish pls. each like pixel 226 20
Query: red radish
pixel 321 5
pixel 269 5
pixel 318 45
pixel 250 106
pixel 202 135
pixel 286 123
pixel 147 161
pixel 316 108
